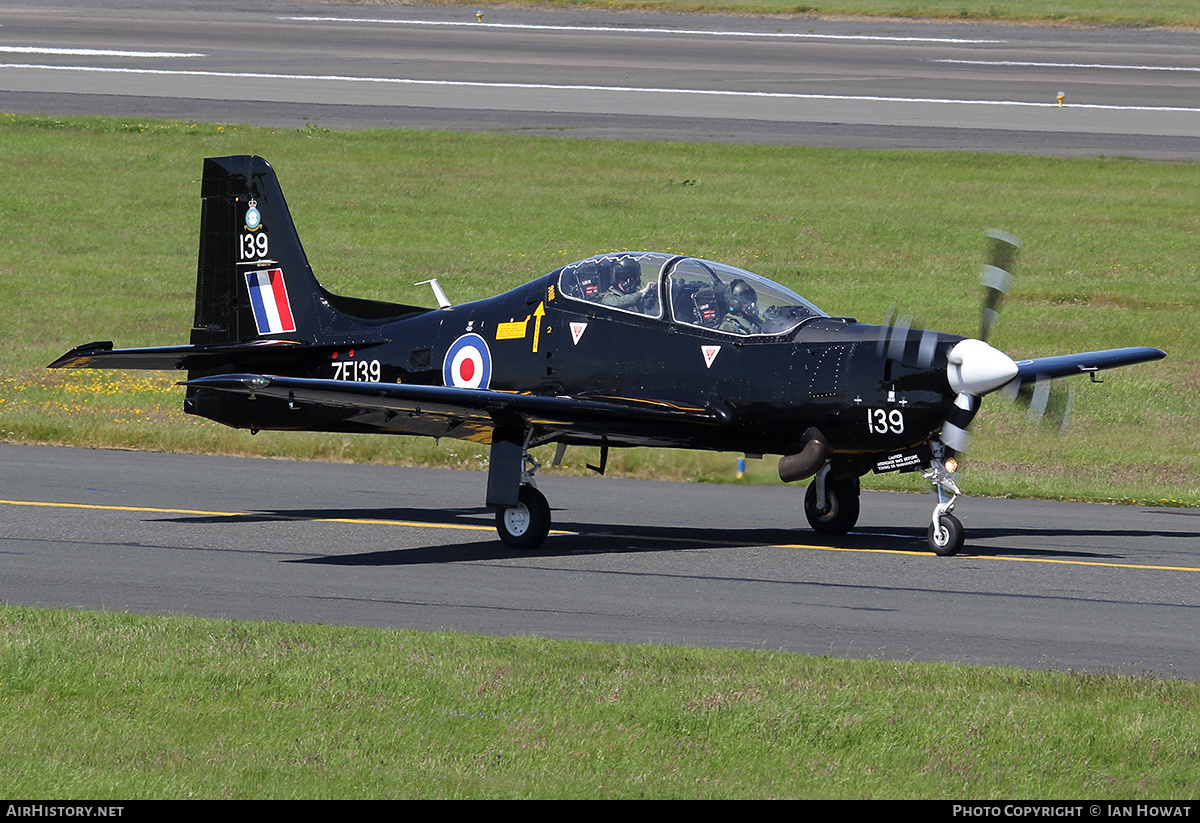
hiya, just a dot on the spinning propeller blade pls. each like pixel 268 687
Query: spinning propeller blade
pixel 975 368
pixel 912 347
pixel 997 276
pixel 1045 401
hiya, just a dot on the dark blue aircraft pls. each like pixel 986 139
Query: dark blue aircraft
pixel 622 349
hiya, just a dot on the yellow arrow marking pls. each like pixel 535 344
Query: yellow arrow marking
pixel 538 314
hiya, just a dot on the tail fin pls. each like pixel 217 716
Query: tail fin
pixel 253 280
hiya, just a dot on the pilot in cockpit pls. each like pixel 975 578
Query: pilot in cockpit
pixel 741 313
pixel 626 291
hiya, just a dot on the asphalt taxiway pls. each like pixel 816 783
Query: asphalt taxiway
pixel 1039 584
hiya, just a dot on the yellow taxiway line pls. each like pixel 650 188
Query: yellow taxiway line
pixel 417 524
pixel 467 527
pixel 1143 566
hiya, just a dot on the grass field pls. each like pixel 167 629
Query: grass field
pixel 101 244
pixel 119 707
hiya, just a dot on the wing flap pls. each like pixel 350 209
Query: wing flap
pixel 393 405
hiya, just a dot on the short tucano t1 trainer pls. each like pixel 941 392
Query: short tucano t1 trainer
pixel 621 349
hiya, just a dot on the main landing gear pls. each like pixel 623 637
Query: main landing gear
pixel 522 513
pixel 831 505
pixel 525 525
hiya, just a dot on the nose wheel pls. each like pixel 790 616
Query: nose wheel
pixel 945 535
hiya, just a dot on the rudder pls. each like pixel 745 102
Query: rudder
pixel 253 279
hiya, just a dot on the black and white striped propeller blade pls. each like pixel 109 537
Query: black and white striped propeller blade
pixel 975 368
pixel 997 276
pixel 1047 402
pixel 904 344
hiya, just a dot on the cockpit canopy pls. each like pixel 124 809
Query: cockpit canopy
pixel 698 292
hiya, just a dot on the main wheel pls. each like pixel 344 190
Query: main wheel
pixel 525 525
pixel 946 538
pixel 842 511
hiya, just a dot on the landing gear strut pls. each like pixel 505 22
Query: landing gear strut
pixel 831 505
pixel 945 530
pixel 522 513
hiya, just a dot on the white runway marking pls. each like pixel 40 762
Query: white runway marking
pixel 95 52
pixel 335 78
pixel 634 30
pixel 1035 64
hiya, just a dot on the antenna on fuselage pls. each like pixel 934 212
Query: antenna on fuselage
pixel 443 301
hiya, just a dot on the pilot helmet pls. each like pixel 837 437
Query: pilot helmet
pixel 742 297
pixel 627 275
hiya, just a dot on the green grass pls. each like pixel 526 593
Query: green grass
pixel 101 233
pixel 119 707
pixel 1107 12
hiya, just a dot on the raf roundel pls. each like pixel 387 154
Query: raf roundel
pixel 468 363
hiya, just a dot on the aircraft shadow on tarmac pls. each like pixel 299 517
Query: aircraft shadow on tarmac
pixel 593 538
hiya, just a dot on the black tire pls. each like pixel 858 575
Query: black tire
pixel 843 509
pixel 947 540
pixel 525 525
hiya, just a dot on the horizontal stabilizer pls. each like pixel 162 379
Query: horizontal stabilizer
pixel 253 354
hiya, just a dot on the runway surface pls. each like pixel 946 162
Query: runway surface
pixel 1040 584
pixel 796 81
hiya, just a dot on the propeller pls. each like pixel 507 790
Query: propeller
pixel 975 368
pixel 916 348
pixel 997 276
pixel 1046 401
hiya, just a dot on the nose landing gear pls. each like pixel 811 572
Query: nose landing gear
pixel 946 531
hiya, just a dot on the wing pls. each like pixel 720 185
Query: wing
pixel 1069 364
pixel 473 414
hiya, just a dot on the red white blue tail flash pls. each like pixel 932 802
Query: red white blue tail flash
pixel 268 296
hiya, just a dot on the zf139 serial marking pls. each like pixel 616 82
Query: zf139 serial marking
pixel 359 371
